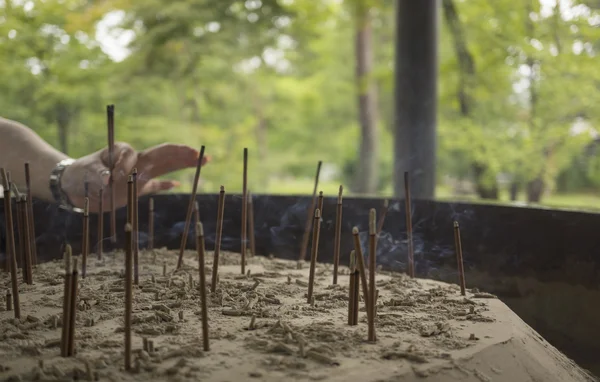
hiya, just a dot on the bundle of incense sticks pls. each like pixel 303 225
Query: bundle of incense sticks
pixel 110 116
pixel 190 209
pixel 66 316
pixel 251 224
pixel 309 216
pixel 244 211
pixel 314 254
pixel 372 266
pixel 338 235
pixel 100 247
pixel 219 234
pixel 135 228
pixel 459 259
pixel 151 223
pixel 128 292
pixel 32 245
pixel 85 245
pixel 362 270
pixel 409 232
pixel 10 242
pixel 202 280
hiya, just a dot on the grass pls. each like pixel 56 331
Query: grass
pixel 580 201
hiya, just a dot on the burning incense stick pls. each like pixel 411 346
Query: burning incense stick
pixel 190 209
pixel 100 222
pixel 110 114
pixel 251 224
pixel 219 234
pixel 320 202
pixel 314 253
pixel 135 227
pixel 151 223
pixel 32 244
pixel 338 235
pixel 196 214
pixel 26 240
pixel 244 210
pixel 382 216
pixel 202 281
pixel 372 266
pixel 309 216
pixel 10 239
pixel 128 292
pixel 409 231
pixel 351 288
pixel 459 259
pixel 360 260
pixel 73 309
pixel 85 245
pixel 66 317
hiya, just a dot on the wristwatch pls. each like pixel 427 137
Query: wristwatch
pixel 59 195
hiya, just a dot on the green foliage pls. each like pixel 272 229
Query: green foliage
pixel 278 77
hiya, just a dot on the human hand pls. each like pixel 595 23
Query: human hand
pixel 150 163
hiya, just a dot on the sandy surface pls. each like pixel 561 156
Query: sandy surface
pixel 426 330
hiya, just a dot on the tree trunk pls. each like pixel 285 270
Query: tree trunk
pixel 535 190
pixel 367 167
pixel 466 65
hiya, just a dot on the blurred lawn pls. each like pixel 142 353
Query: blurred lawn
pixel 583 201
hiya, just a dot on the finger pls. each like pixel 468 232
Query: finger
pixel 125 158
pixel 166 158
pixel 155 185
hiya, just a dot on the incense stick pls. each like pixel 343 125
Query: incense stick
pixel 338 235
pixel 360 260
pixel 128 292
pixel 202 280
pixel 251 224
pixel 135 228
pixel 372 266
pixel 66 317
pixel 409 231
pixel 244 210
pixel 384 211
pixel 20 236
pixel 100 222
pixel 320 202
pixel 309 216
pixel 314 253
pixel 190 209
pixel 459 259
pixel 351 288
pixel 196 214
pixel 85 245
pixel 356 296
pixel 26 240
pixel 219 234
pixel 32 244
pixel 151 223
pixel 110 115
pixel 10 238
pixel 73 309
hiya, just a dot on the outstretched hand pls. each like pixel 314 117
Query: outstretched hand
pixel 150 164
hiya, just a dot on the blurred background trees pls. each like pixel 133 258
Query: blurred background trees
pixel 299 81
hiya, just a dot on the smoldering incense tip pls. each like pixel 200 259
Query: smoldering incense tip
pixel 222 189
pixel 372 222
pixel 130 179
pixel 199 229
pixel 455 224
pixel 134 172
pixel 128 227
pixel 355 231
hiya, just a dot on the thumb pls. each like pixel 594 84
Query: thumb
pixel 124 159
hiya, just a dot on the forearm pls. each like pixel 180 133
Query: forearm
pixel 20 144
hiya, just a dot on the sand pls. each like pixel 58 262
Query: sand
pixel 426 330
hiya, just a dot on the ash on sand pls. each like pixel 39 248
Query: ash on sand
pixel 261 327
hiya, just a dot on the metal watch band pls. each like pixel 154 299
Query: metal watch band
pixel 56 186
